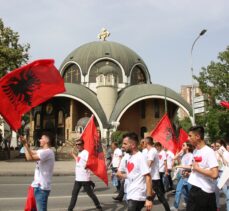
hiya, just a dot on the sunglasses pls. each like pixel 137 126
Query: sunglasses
pixel 79 144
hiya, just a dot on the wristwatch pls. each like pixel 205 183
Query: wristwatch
pixel 149 198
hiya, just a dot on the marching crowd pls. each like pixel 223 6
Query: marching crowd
pixel 141 171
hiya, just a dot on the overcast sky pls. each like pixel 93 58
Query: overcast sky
pixel 161 32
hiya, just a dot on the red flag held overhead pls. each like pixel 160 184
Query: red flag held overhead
pixel 27 87
pixel 164 134
pixel 96 160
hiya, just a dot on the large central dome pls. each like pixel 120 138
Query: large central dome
pixel 87 54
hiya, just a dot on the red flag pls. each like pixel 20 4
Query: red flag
pixel 183 137
pixel 164 134
pixel 27 87
pixel 96 160
pixel 225 104
pixel 30 204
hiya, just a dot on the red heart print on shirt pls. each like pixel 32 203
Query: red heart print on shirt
pixel 198 159
pixel 78 159
pixel 130 166
pixel 160 156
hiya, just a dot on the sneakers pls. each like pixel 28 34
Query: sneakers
pixel 99 208
pixel 184 204
pixel 117 199
pixel 173 208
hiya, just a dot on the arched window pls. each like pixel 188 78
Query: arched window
pixel 94 72
pixel 72 74
pixel 138 76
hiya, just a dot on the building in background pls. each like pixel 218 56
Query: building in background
pixel 112 82
pixel 186 93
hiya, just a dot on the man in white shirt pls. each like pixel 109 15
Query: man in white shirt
pixel 163 170
pixel 82 177
pixel 116 159
pixel 139 187
pixel 44 169
pixel 153 163
pixel 204 172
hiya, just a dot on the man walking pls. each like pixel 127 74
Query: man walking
pixel 153 163
pixel 204 172
pixel 44 169
pixel 82 177
pixel 139 187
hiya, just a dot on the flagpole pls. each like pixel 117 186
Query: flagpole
pixel 165 102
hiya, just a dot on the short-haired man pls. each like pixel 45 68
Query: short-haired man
pixel 139 187
pixel 204 172
pixel 44 169
pixel 82 177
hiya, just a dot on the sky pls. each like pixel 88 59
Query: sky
pixel 160 32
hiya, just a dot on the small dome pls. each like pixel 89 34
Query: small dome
pixel 107 69
pixel 82 122
pixel 88 53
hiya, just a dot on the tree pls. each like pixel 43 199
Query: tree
pixel 12 53
pixel 214 83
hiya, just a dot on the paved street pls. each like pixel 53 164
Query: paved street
pixel 15 178
pixel 13 194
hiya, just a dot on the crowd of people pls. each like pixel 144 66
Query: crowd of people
pixel 142 170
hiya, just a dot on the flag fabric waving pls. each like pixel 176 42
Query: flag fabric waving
pixel 26 87
pixel 183 137
pixel 164 134
pixel 96 160
pixel 225 104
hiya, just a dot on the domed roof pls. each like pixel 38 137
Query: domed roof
pixel 88 53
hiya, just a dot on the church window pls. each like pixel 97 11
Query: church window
pixel 72 74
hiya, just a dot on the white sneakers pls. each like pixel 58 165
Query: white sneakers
pixel 173 208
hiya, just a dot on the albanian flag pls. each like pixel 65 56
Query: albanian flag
pixel 92 143
pixel 26 87
pixel 225 104
pixel 183 137
pixel 164 134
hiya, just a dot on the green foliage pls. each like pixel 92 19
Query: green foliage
pixel 12 54
pixel 214 82
pixel 185 123
pixel 117 136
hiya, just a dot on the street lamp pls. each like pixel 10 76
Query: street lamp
pixel 193 88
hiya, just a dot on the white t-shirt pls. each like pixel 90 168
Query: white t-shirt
pixel 116 157
pixel 44 169
pixel 82 174
pixel 162 158
pixel 170 157
pixel 187 159
pixel 136 168
pixel 145 152
pixel 152 155
pixel 207 160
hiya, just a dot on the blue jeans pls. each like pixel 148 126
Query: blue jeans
pixel 183 187
pixel 226 192
pixel 41 197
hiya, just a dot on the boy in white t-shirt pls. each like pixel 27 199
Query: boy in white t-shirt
pixel 204 172
pixel 44 169
pixel 153 163
pixel 139 188
pixel 163 170
pixel 115 162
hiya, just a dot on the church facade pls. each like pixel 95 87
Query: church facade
pixel 112 82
